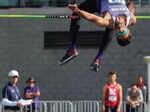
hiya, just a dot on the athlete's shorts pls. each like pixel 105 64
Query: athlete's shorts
pixel 110 109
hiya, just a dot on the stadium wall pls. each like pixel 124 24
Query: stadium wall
pixel 22 48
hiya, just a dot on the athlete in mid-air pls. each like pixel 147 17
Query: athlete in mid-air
pixel 115 15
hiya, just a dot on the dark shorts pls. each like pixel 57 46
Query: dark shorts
pixel 131 109
pixel 90 6
pixel 110 109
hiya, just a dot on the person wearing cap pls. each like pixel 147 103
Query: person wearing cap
pixel 112 95
pixel 32 91
pixel 12 99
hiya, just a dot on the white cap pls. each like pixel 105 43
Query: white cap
pixel 13 73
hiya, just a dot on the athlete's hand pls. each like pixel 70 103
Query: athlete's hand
pixel 103 108
pixel 73 7
pixel 20 104
pixel 133 104
pixel 118 109
pixel 131 7
pixel 29 95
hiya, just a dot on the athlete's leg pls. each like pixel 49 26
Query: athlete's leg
pixel 107 109
pixel 114 109
pixel 128 108
pixel 133 109
pixel 106 39
pixel 137 108
pixel 90 6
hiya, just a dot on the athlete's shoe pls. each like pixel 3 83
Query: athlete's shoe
pixel 69 56
pixel 95 66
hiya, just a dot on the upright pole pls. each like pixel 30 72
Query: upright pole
pixel 147 59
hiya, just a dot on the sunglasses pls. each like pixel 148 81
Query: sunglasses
pixel 15 77
pixel 119 34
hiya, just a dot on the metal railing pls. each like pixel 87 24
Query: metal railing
pixel 56 106
pixel 86 106
pixel 73 106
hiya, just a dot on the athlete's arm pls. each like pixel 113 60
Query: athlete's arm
pixel 131 7
pixel 129 100
pixel 7 102
pixel 28 95
pixel 103 99
pixel 120 99
pixel 140 98
pixel 132 11
pixel 32 95
pixel 91 17
pixel 36 94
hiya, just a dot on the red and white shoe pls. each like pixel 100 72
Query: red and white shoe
pixel 95 66
pixel 69 56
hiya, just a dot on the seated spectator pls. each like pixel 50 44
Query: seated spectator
pixel 141 85
pixel 134 98
pixel 12 100
pixel 32 91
